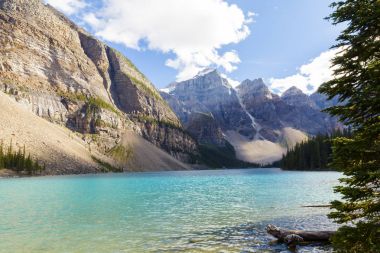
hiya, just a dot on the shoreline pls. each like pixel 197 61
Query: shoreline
pixel 7 173
pixel 13 174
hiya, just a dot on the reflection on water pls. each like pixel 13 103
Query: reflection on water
pixel 197 211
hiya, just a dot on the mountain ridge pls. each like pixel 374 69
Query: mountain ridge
pixel 272 122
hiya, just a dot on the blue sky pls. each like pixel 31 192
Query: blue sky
pixel 286 35
pixel 283 37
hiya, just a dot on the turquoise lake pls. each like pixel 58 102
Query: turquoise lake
pixel 194 211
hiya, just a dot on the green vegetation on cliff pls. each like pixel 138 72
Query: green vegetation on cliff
pixel 92 102
pixel 100 103
pixel 146 87
pixel 148 119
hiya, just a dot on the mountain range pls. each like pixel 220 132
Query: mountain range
pixel 80 106
pixel 258 123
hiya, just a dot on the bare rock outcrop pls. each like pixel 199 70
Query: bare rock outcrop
pixel 205 128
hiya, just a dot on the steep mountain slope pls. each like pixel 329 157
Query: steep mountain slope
pixel 56 144
pixel 293 109
pixel 64 152
pixel 64 75
pixel 259 124
pixel 295 97
pixel 209 93
pixel 321 101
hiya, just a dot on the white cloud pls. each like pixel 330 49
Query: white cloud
pixel 68 7
pixel 231 81
pixel 194 31
pixel 309 76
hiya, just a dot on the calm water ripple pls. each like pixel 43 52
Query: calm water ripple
pixel 197 211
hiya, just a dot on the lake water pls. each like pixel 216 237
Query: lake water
pixel 195 211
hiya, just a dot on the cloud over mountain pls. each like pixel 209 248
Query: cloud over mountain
pixel 192 32
pixel 309 76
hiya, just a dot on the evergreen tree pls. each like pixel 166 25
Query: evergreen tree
pixel 312 154
pixel 357 85
pixel 18 161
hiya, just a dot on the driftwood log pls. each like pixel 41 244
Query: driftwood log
pixel 292 237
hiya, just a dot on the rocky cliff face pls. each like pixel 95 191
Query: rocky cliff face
pixel 205 129
pixel 295 97
pixel 257 122
pixel 61 73
pixel 293 109
pixel 321 101
pixel 209 93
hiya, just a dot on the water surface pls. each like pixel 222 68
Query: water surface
pixel 195 211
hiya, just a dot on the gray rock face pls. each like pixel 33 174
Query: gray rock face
pixel 182 110
pixel 293 109
pixel 176 141
pixel 256 88
pixel 251 108
pixel 205 129
pixel 295 97
pixel 133 92
pixel 322 102
pixel 209 93
pixel 68 77
pixel 263 106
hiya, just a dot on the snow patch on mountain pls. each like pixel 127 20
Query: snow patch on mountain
pixel 255 125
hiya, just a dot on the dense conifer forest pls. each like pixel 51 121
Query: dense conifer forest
pixel 313 154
